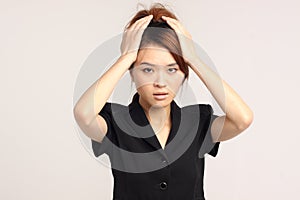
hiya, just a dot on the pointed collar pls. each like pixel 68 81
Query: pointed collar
pixel 138 116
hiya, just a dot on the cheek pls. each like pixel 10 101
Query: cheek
pixel 175 84
pixel 174 87
pixel 145 89
pixel 140 80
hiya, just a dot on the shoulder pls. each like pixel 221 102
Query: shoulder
pixel 200 108
pixel 113 108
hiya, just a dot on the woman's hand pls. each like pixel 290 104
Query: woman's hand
pixel 132 37
pixel 187 46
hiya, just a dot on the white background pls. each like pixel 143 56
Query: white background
pixel 254 44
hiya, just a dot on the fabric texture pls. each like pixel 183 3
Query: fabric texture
pixel 182 159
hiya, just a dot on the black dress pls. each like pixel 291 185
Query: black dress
pixel 141 168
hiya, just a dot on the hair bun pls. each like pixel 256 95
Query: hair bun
pixel 157 10
pixel 158 23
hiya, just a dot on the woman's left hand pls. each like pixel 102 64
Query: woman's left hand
pixel 187 45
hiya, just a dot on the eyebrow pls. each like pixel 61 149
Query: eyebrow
pixel 146 63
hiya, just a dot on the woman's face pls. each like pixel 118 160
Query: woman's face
pixel 157 76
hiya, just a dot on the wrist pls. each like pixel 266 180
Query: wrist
pixel 129 57
pixel 126 60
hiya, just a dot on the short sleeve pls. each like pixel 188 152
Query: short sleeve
pixel 213 147
pixel 101 147
pixel 208 145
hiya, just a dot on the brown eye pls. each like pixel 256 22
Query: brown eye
pixel 172 70
pixel 147 70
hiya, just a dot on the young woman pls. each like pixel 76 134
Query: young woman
pixel 155 147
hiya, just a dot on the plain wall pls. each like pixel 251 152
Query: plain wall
pixel 253 44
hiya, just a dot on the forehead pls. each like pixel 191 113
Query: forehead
pixel 155 55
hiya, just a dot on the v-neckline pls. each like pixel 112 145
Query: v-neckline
pixel 152 130
pixel 168 137
pixel 140 118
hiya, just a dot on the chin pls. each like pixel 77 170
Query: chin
pixel 161 103
pixel 158 103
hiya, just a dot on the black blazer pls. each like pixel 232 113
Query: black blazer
pixel 141 168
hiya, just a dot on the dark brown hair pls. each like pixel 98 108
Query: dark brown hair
pixel 160 33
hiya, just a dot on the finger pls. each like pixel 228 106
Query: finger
pixel 176 25
pixel 170 20
pixel 142 20
pixel 144 23
pixel 140 28
pixel 136 23
pixel 174 21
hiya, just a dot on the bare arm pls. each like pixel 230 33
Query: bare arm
pixel 238 116
pixel 93 100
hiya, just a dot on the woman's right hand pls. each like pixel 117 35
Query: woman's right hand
pixel 132 37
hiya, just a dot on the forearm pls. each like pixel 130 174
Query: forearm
pixel 230 102
pixel 95 97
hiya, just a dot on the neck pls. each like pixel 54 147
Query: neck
pixel 157 116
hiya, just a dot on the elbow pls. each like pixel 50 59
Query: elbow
pixel 79 116
pixel 246 122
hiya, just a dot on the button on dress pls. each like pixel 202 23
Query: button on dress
pixel 141 168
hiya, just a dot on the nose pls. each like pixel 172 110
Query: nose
pixel 160 80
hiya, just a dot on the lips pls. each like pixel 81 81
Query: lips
pixel 160 95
